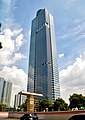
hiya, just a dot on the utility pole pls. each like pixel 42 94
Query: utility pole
pixel 0 42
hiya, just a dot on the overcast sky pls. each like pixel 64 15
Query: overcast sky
pixel 69 18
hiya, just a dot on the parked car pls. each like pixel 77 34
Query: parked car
pixel 77 117
pixel 32 116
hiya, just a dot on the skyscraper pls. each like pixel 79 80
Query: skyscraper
pixel 43 74
pixel 5 91
pixel 19 100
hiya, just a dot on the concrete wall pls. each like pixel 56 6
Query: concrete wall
pixel 63 115
pixel 4 114
pixel 58 115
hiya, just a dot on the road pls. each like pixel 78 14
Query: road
pixel 8 119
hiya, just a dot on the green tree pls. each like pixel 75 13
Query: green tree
pixel 0 27
pixel 60 105
pixel 0 42
pixel 84 101
pixel 43 104
pixel 2 107
pixel 76 100
pixel 23 107
pixel 0 45
pixel 0 24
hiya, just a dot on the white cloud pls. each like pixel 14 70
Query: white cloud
pixel 7 6
pixel 77 32
pixel 17 76
pixel 19 41
pixel 17 31
pixel 19 56
pixel 12 40
pixel 73 78
pixel 11 43
pixel 69 3
pixel 61 55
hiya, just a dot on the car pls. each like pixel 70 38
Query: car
pixel 77 117
pixel 35 116
pixel 31 116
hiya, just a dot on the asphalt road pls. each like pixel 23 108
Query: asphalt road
pixel 8 119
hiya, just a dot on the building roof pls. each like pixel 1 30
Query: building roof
pixel 30 94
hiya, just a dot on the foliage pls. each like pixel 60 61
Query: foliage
pixel 23 107
pixel 0 45
pixel 0 25
pixel 60 105
pixel 76 100
pixel 0 42
pixel 43 104
pixel 2 107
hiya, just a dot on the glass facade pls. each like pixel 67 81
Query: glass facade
pixel 43 70
pixel 5 91
pixel 19 100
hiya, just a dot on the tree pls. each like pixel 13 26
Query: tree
pixel 84 101
pixel 0 45
pixel 0 42
pixel 23 107
pixel 2 107
pixel 60 105
pixel 0 25
pixel 76 100
pixel 43 104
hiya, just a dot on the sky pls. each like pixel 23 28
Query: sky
pixel 69 19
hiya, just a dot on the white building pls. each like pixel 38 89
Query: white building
pixel 5 91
